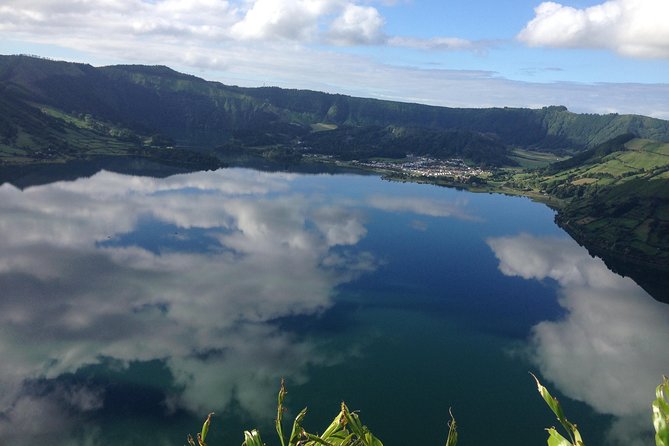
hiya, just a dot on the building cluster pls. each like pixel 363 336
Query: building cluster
pixel 428 167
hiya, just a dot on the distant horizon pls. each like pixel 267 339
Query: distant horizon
pixel 592 56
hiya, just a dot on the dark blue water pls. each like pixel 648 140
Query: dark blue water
pixel 130 307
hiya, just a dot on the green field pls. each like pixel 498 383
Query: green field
pixel 531 159
pixel 322 127
pixel 639 159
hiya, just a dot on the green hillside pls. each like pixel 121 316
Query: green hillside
pixel 614 199
pixel 50 105
pixel 623 202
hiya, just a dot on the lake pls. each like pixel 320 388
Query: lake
pixel 132 306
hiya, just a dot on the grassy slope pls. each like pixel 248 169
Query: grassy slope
pixel 623 201
pixel 47 136
pixel 614 199
pixel 616 204
pixel 30 135
pixel 529 159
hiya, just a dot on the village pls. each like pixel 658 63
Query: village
pixel 418 166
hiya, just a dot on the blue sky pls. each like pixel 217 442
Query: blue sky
pixel 590 55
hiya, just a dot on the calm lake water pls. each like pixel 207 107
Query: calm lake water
pixel 130 307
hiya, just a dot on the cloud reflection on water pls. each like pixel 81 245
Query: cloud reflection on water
pixel 73 292
pixel 610 349
pixel 422 206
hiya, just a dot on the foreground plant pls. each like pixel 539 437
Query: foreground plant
pixel 202 435
pixel 660 408
pixel 554 437
pixel 347 430
pixel 661 413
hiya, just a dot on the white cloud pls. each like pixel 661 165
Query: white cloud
pixel 265 258
pixel 607 351
pixel 288 19
pixel 421 206
pixel 358 25
pixel 340 226
pixel 204 20
pixel 635 28
pixel 45 419
pixel 199 22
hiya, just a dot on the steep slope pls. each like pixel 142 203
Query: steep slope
pixel 197 113
pixel 27 133
pixel 547 128
pixel 617 205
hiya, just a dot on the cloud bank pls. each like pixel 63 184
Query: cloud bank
pixel 633 28
pixel 342 22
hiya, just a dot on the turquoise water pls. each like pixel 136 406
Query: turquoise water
pixel 130 307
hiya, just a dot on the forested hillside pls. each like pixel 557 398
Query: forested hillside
pixel 56 107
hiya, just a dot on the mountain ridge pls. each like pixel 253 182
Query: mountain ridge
pixel 195 113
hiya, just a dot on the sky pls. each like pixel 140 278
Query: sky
pixel 592 56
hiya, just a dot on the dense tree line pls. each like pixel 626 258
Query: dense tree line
pixel 349 142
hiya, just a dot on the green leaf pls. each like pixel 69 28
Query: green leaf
pixel 297 428
pixel 279 412
pixel 452 439
pixel 349 439
pixel 555 439
pixel 553 403
pixel 315 439
pixel 336 426
pixel 352 421
pixel 372 440
pixel 661 413
pixel 252 438
pixel 205 428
